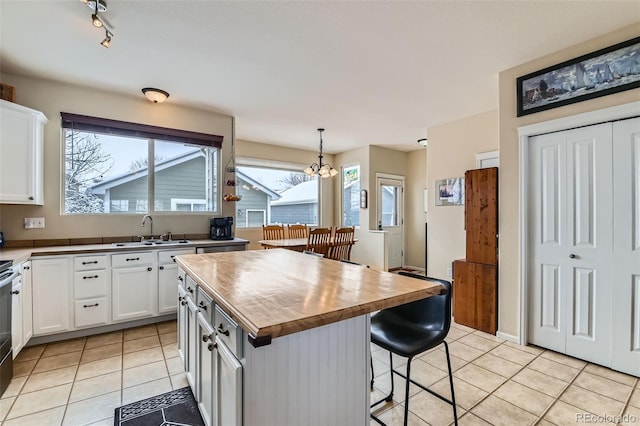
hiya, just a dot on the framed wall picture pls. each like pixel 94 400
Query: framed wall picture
pixel 450 192
pixel 603 72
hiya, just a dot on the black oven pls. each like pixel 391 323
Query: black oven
pixel 7 275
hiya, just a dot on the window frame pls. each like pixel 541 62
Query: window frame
pixel 152 135
pixel 278 165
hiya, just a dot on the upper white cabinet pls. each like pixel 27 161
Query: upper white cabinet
pixel 21 132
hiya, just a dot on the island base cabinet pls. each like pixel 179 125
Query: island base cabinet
pixel 192 344
pixel 182 326
pixel 206 372
pixel 315 377
pixel 229 381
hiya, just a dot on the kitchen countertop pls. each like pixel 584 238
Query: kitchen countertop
pixel 273 293
pixel 18 255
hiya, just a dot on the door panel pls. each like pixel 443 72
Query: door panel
pixel 588 256
pixel 547 211
pixel 391 219
pixel 626 250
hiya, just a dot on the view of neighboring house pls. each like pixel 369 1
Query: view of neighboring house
pixel 298 204
pixel 253 209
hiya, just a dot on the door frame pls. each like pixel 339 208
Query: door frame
pixel 384 176
pixel 617 112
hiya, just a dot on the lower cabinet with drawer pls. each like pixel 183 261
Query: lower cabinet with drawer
pixel 90 291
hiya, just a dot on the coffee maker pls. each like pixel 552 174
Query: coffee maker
pixel 220 228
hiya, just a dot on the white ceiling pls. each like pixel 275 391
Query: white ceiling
pixel 377 73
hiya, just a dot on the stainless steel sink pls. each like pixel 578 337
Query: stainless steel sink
pixel 147 243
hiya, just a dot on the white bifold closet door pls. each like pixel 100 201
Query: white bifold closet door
pixel 584 243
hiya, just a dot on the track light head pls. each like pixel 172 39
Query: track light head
pixel 96 21
pixel 107 40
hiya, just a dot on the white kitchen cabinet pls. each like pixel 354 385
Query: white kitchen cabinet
pixel 229 381
pixel 168 273
pixel 207 391
pixel 182 323
pixel 17 338
pixel 90 291
pixel 192 343
pixel 51 295
pixel 134 286
pixel 27 302
pixel 21 154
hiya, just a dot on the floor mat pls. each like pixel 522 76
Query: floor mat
pixel 177 407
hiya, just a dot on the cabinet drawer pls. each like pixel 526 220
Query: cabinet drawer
pixel 131 259
pixel 205 304
pixel 91 312
pixel 83 263
pixel 90 284
pixel 167 256
pixel 228 331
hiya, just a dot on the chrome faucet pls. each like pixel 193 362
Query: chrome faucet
pixel 150 221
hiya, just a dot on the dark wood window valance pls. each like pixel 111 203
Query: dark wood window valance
pixel 124 128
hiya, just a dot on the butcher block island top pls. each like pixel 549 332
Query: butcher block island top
pixel 273 293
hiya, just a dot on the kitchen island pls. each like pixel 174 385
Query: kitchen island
pixel 298 327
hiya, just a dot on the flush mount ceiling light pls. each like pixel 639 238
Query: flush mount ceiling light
pixel 321 169
pixel 422 142
pixel 157 96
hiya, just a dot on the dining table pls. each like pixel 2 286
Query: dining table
pixel 295 244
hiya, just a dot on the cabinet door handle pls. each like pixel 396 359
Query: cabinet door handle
pixel 221 330
pixel 572 256
pixel 212 346
pixel 180 279
pixel 91 262
pixel 132 259
pixel 31 198
pixel 27 268
pixel 190 290
pixel 184 302
pixel 202 305
pixel 162 268
pixel 173 258
pixel 149 268
pixel 15 292
pixel 179 298
pixel 207 337
pixel 90 306
pixel 89 277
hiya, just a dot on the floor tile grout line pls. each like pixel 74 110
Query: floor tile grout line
pixel 626 404
pixel 562 392
pixel 64 414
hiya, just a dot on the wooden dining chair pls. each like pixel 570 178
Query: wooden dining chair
pixel 298 231
pixel 272 232
pixel 343 240
pixel 319 240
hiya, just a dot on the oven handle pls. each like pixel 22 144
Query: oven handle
pixel 8 277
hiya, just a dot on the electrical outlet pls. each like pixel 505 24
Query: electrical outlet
pixel 33 222
pixel 449 272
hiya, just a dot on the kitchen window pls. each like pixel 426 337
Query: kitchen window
pixel 115 167
pixel 274 192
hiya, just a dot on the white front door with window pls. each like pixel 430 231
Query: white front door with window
pixel 391 216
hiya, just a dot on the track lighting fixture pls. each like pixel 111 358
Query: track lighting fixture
pixel 99 6
pixel 107 39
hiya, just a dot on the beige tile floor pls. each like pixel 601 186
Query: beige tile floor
pixel 82 381
pixel 501 383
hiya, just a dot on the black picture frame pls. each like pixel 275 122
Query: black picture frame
pixel 606 71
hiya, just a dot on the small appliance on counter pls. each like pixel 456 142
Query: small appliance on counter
pixel 1 239
pixel 220 228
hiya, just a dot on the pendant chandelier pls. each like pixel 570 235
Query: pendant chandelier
pixel 321 169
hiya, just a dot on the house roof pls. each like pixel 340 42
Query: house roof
pixel 303 193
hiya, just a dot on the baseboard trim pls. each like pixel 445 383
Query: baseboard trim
pixel 417 268
pixel 509 337
pixel 49 338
